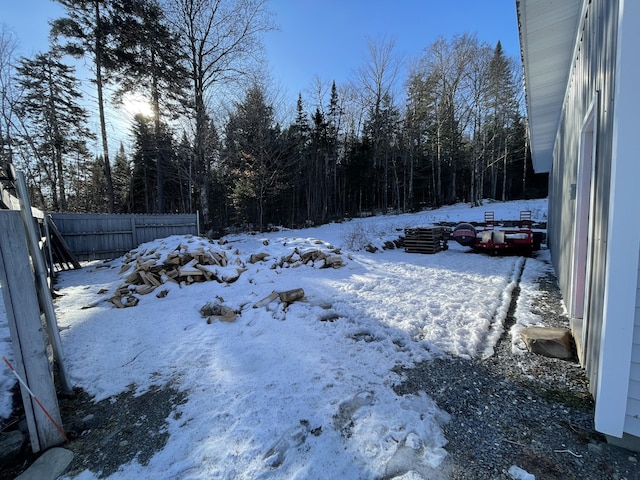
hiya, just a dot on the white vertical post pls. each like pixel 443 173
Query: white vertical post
pixel 42 284
pixel 27 339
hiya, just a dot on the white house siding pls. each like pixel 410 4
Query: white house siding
pixel 632 419
pixel 623 242
pixel 592 77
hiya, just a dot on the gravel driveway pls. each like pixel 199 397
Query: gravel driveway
pixel 527 411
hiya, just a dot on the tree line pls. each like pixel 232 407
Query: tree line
pixel 453 131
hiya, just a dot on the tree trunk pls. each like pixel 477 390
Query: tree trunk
pixel 504 173
pixel 103 124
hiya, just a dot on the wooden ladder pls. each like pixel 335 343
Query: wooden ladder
pixel 489 221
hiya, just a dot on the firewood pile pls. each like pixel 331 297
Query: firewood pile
pixel 147 270
pixel 315 257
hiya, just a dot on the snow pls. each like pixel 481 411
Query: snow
pixel 518 473
pixel 304 391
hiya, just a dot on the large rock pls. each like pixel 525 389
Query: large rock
pixel 547 341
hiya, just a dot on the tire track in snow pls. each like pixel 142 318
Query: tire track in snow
pixel 497 327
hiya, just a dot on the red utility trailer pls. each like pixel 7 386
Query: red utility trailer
pixel 518 239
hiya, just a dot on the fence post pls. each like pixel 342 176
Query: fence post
pixel 27 339
pixel 134 234
pixel 42 283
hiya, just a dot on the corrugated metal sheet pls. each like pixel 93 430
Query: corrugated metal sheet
pixel 593 71
pixel 548 31
pixel 632 419
pixel 102 236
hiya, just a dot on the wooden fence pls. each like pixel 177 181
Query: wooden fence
pixel 103 236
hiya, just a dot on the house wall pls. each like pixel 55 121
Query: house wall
pixel 632 422
pixel 604 73
pixel 618 365
pixel 591 80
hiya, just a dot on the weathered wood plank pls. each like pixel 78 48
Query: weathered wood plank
pixel 102 236
pixel 21 302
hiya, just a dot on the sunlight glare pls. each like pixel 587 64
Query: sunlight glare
pixel 135 104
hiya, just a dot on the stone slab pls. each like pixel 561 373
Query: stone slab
pixel 49 466
pixel 548 341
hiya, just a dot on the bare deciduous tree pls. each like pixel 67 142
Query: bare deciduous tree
pixel 8 45
pixel 220 38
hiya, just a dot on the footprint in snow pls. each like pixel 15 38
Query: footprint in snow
pixel 411 455
pixel 349 407
pixel 292 438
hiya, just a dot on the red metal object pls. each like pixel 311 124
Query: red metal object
pixel 489 238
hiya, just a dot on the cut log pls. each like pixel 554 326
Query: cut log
pixel 131 301
pixel 334 261
pixel 291 295
pixel 124 268
pixel 172 259
pixel 266 300
pixel 207 274
pixel 116 301
pixel 134 278
pixel 258 257
pixel 144 289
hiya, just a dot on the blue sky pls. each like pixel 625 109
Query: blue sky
pixel 326 38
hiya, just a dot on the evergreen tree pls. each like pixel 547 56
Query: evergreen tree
pixel 122 181
pixel 255 157
pixel 87 28
pixel 143 191
pixel 298 139
pixel 334 129
pixel 55 120
pixel 504 116
pixel 184 167
pixel 147 61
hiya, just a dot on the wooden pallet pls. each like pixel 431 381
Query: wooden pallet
pixel 425 240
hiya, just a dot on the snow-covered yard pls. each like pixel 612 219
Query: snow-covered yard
pixel 303 391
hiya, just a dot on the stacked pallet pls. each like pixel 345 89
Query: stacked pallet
pixel 425 240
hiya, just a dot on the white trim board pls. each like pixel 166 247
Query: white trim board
pixel 623 236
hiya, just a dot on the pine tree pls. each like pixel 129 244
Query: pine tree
pixel 143 192
pixel 503 108
pixel 254 156
pixel 86 29
pixel 122 181
pixel 147 61
pixel 56 122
